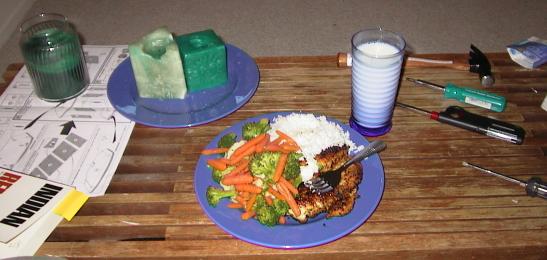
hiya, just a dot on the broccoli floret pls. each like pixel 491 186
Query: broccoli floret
pixel 218 174
pixel 252 129
pixel 269 215
pixel 264 213
pixel 281 207
pixel 292 169
pixel 214 195
pixel 227 140
pixel 296 181
pixel 263 165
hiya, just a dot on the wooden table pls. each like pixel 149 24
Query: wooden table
pixel 432 207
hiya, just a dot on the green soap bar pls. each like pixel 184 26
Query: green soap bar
pixel 157 66
pixel 204 57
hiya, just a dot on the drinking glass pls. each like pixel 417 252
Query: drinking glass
pixel 377 57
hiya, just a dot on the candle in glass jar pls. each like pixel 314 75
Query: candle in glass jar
pixel 53 57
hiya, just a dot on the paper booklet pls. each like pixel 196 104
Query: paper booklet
pixel 30 210
pixel 79 142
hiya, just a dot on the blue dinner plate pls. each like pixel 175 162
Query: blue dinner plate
pixel 196 108
pixel 316 231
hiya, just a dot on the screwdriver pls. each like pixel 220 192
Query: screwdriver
pixel 457 116
pixel 534 186
pixel 470 96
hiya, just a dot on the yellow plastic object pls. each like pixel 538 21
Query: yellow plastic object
pixel 70 205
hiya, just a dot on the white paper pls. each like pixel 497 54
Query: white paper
pixel 27 212
pixel 89 154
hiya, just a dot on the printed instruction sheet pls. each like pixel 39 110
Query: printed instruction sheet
pixel 79 142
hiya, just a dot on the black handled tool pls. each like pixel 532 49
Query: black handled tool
pixel 457 116
pixel 478 63
pixel 534 186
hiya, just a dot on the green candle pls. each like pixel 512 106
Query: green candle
pixel 54 57
pixel 157 66
pixel 204 58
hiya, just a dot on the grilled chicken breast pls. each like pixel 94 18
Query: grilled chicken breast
pixel 340 200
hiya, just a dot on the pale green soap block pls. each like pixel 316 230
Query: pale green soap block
pixel 157 66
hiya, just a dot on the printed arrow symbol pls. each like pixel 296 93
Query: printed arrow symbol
pixel 67 127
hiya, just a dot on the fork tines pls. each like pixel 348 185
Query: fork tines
pixel 318 185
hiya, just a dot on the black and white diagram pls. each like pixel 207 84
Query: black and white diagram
pixel 76 142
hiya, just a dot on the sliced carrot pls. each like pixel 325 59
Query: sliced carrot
pixel 273 148
pixel 247 215
pixel 290 200
pixel 276 194
pixel 268 200
pixel 260 145
pixel 251 202
pixel 248 187
pixel 224 160
pixel 277 140
pixel 240 168
pixel 217 164
pixel 234 205
pixel 282 220
pixel 214 151
pixel 286 137
pixel 234 159
pixel 283 148
pixel 237 179
pixel 249 144
pixel 246 195
pixel 241 200
pixel 289 147
pixel 280 166
pixel 288 185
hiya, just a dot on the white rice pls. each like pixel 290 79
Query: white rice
pixel 313 135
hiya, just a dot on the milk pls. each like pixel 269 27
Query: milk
pixel 376 69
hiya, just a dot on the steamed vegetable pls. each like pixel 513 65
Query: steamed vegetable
pixel 292 168
pixel 263 165
pixel 227 141
pixel 218 174
pixel 214 151
pixel 269 214
pixel 281 162
pixel 258 174
pixel 252 129
pixel 214 195
pixel 237 179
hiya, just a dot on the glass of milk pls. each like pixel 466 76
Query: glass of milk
pixel 376 69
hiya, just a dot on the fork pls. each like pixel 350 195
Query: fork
pixel 328 180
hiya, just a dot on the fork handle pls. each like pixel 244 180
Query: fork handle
pixel 374 147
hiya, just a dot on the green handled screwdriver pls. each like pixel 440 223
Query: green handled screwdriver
pixel 534 186
pixel 471 96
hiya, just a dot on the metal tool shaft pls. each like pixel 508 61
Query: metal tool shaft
pixel 427 84
pixel 505 177
pixel 415 109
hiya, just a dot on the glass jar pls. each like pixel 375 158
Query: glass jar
pixel 53 57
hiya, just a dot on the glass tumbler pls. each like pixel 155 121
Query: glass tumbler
pixel 377 58
pixel 53 56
